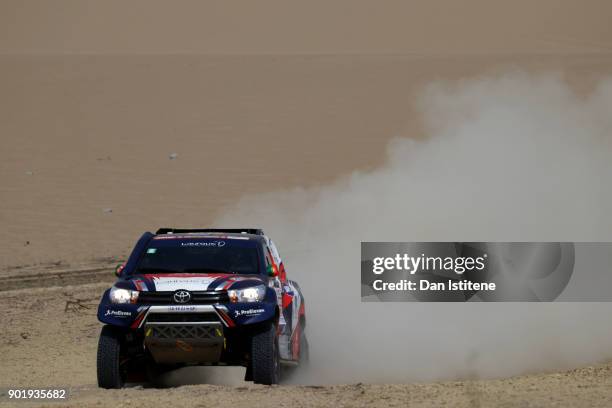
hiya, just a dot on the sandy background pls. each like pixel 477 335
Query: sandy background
pixel 95 97
pixel 36 353
pixel 251 97
pixel 314 27
pixel 84 135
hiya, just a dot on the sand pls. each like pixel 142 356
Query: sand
pixel 87 139
pixel 438 27
pixel 119 118
pixel 49 339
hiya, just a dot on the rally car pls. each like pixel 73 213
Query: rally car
pixel 201 297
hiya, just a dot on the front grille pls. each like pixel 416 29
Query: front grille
pixel 182 317
pixel 197 297
pixel 185 332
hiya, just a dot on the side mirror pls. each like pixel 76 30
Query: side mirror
pixel 272 271
pixel 119 269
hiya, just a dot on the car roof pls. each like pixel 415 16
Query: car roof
pixel 213 234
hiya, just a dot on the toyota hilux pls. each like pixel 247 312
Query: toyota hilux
pixel 201 297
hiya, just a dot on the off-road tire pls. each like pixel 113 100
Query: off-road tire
pixel 111 373
pixel 265 359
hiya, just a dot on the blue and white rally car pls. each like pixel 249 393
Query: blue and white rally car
pixel 201 297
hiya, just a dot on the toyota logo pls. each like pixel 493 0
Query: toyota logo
pixel 182 296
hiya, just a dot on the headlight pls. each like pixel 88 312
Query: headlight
pixel 252 294
pixel 118 295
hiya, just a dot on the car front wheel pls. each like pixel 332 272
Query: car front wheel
pixel 265 359
pixel 112 364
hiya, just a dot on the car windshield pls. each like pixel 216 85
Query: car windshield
pixel 199 256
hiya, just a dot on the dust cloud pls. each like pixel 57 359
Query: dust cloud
pixel 505 158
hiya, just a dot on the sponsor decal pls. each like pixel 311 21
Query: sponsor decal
pixel 248 312
pixel 181 308
pixel 172 284
pixel 214 244
pixel 117 313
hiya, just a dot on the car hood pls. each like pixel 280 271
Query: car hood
pixel 171 282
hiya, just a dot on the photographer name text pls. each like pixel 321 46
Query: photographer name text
pixel 429 264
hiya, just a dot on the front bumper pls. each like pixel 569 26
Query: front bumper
pixel 134 316
pixel 189 334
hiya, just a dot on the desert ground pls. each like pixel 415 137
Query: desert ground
pixel 117 118
pixel 50 334
pixel 98 148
